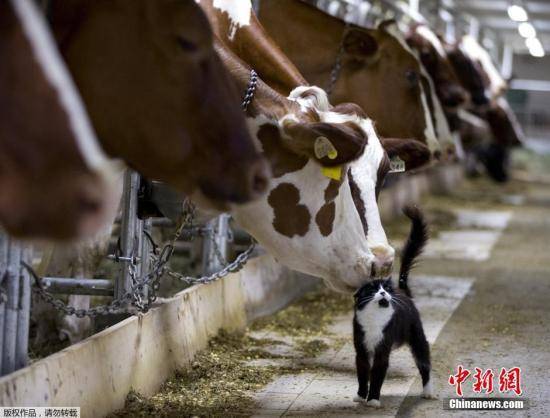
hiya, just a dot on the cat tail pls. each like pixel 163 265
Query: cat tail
pixel 418 237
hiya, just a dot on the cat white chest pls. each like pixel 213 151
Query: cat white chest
pixel 373 319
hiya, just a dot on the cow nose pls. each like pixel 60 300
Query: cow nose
pixel 259 175
pixel 383 259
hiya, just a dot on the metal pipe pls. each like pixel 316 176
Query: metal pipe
pixel 24 313
pixel 4 242
pixel 11 311
pixel 507 61
pixel 129 226
pixel 215 244
pixel 70 286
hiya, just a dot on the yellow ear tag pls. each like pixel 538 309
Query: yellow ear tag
pixel 324 148
pixel 334 173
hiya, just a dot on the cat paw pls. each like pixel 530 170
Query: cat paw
pixel 374 403
pixel 428 392
pixel 358 398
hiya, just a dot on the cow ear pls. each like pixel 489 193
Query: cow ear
pixel 414 153
pixel 328 143
pixel 359 44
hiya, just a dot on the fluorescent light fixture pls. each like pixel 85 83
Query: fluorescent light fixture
pixel 527 30
pixel 517 13
pixel 535 47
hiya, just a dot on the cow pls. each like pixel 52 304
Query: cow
pixel 158 95
pixel 56 183
pixel 480 77
pixel 363 66
pixel 309 219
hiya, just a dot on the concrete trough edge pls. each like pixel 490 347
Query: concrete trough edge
pixel 141 352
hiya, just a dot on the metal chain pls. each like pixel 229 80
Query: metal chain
pixel 144 291
pixel 337 68
pixel 250 90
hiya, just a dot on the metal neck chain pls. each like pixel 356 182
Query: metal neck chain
pixel 250 90
pixel 337 67
pixel 144 290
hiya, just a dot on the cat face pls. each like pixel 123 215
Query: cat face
pixel 378 291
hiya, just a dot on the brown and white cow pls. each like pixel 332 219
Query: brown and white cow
pixel 55 181
pixel 158 95
pixel 480 77
pixel 320 215
pixel 374 68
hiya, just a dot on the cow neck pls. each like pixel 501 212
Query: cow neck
pixel 315 47
pixel 251 43
pixel 266 101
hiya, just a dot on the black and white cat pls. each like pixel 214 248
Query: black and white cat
pixel 385 318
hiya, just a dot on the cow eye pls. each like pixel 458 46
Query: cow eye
pixel 412 78
pixel 186 44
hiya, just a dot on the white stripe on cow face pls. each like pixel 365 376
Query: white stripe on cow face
pixel 239 12
pixel 47 55
pixel 429 131
pixel 365 175
pixel 476 52
pixel 442 128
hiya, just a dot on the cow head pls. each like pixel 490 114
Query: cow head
pixel 158 94
pixel 470 74
pixel 381 74
pixel 434 58
pixel 55 181
pixel 320 215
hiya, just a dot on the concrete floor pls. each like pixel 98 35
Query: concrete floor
pixel 483 290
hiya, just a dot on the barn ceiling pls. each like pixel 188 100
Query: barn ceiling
pixel 493 14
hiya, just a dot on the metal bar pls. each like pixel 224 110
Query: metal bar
pixel 145 249
pixel 24 313
pixel 4 242
pixel 11 311
pixel 129 224
pixel 70 286
pixel 507 66
pixel 215 244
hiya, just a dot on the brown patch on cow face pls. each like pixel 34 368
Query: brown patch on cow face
pixel 358 201
pixel 325 216
pixel 282 160
pixel 290 217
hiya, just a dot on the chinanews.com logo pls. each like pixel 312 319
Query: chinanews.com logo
pixel 505 382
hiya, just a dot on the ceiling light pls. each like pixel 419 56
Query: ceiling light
pixel 527 30
pixel 517 13
pixel 535 47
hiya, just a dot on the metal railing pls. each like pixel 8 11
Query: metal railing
pixel 140 266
